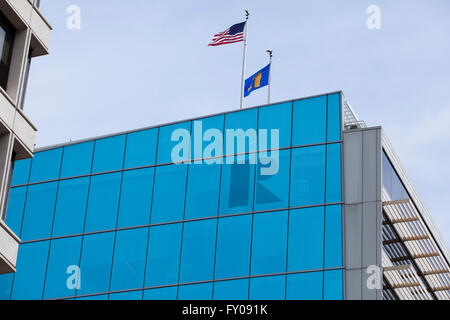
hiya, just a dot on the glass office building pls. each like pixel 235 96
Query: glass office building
pixel 116 218
pixel 141 227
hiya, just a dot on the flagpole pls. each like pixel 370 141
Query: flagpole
pixel 245 58
pixel 270 75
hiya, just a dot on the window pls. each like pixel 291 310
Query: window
pixel 306 233
pixel 202 291
pixel 103 202
pixel 163 258
pixel 197 256
pixel 231 290
pixel 391 182
pixel 170 188
pixel 5 286
pixel 31 265
pixel 167 293
pixel 309 121
pixel 333 237
pixel 136 198
pixel 129 259
pixel 333 287
pixel 308 176
pixel 277 117
pixel 245 120
pixel 130 295
pixel 16 205
pixel 71 207
pixel 46 165
pixel 95 263
pixel 37 222
pixel 267 288
pixel 165 143
pixel 63 253
pixel 304 286
pixel 77 159
pixel 233 247
pixel 333 173
pixel 26 78
pixel 200 131
pixel 202 199
pixel 272 191
pixel 334 117
pixel 237 187
pixel 7 35
pixel 269 243
pixel 109 154
pixel 141 148
pixel 21 172
pixel 96 297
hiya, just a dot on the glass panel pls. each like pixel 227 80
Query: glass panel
pixel 267 288
pixel 103 202
pixel 16 204
pixel 203 138
pixel 131 295
pixel 21 172
pixel 272 191
pixel 129 259
pixel 45 165
pixel 304 286
pixel 71 207
pixel 233 247
pixel 334 117
pixel 309 121
pixel 5 286
pixel 170 188
pixel 62 281
pixel 391 182
pixel 244 120
pixel 201 291
pixel 37 223
pixel 202 199
pixel 308 176
pixel 237 187
pixel 334 173
pixel 333 285
pixel 163 257
pixel 269 245
pixel 165 143
pixel 231 290
pixel 169 293
pixel 136 198
pixel 279 117
pixel 333 237
pixel 141 148
pixel 96 297
pixel 108 154
pixel 77 159
pixel 95 263
pixel 197 257
pixel 306 228
pixel 31 264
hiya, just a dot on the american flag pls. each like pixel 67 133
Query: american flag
pixel 233 34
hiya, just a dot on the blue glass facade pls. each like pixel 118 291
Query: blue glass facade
pixel 141 227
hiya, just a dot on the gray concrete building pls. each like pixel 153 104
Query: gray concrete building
pixel 392 248
pixel 24 35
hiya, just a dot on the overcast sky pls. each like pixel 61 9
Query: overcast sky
pixel 139 63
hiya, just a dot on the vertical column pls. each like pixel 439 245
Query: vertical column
pixel 362 212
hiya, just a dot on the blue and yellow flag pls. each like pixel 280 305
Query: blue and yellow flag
pixel 258 80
